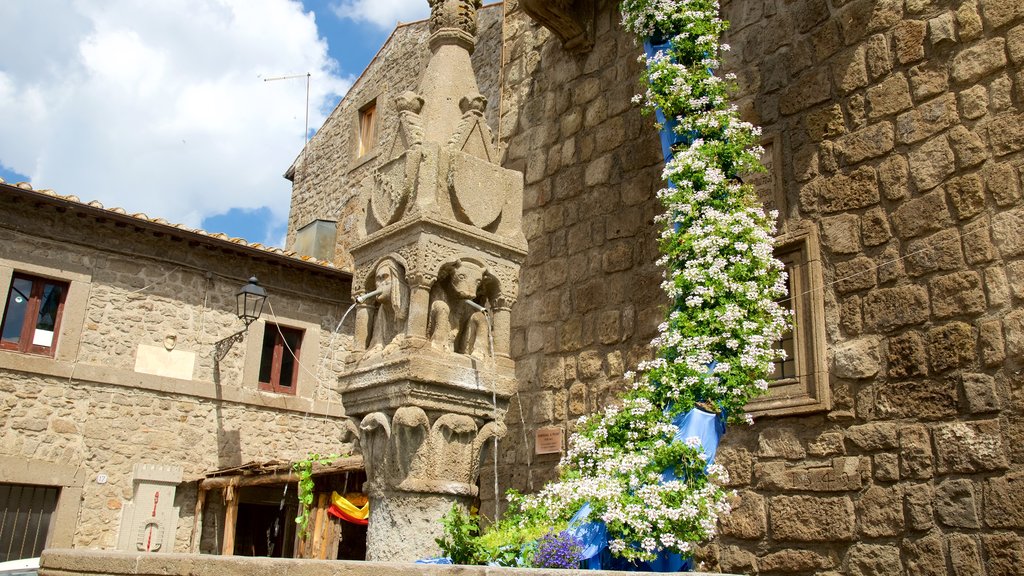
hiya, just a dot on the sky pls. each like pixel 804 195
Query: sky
pixel 171 107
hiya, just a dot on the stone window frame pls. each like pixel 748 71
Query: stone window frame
pixel 29 324
pixel 308 359
pixel 278 349
pixel 69 335
pixel 809 391
pixel 70 480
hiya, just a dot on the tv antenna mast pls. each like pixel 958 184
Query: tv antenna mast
pixel 307 75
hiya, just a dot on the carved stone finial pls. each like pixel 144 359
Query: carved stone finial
pixel 454 14
pixel 409 101
pixel 474 102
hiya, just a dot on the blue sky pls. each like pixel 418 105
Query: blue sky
pixel 161 107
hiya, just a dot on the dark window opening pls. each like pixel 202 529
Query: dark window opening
pixel 25 516
pixel 32 316
pixel 279 362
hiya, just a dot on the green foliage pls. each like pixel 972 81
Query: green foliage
pixel 304 468
pixel 460 539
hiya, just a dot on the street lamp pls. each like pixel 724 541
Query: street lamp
pixel 249 301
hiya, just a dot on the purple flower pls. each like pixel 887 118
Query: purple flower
pixel 558 550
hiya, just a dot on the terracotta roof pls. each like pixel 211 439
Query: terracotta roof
pixel 215 238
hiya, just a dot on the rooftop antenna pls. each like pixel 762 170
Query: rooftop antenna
pixel 305 133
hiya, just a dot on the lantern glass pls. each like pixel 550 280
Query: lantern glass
pixel 249 301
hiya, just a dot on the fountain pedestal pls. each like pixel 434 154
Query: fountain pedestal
pixel 430 378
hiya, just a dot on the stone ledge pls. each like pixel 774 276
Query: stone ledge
pixel 66 562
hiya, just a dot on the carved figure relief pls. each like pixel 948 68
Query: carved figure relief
pixel 391 304
pixel 455 323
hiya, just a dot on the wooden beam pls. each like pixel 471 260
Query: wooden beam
pixel 350 464
pixel 230 519
pixel 197 522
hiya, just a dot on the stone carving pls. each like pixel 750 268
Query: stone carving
pixel 571 20
pixel 392 304
pixel 456 325
pixel 458 14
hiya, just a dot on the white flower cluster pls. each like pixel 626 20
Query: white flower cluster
pixel 654 491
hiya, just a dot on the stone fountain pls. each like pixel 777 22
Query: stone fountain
pixel 437 275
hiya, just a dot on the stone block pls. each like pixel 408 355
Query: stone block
pixel 999 13
pixel 887 467
pixel 892 95
pixel 955 505
pixel 809 89
pixel 879 63
pixel 964 555
pixel 1000 94
pixel 926 213
pixel 927 119
pixel 843 474
pixel 915 452
pixel 827 444
pixel 906 356
pixel 617 256
pixel 748 520
pixel 812 518
pixel 780 443
pixel 925 556
pixel 997 287
pixel 577 399
pixel 968 21
pixel 951 346
pixel 1004 501
pixel 862 17
pixel 790 561
pixel 968 149
pixel 908 39
pixel 737 560
pixel 825 123
pixel 881 512
pixel 928 79
pixel 841 192
pixel 917 501
pixel 1015 272
pixel 931 163
pixel 738 462
pixel 974 63
pixel 958 294
pixel 1006 134
pixel 869 142
pixel 1004 554
pixel 964 447
pixel 939 251
pixel 1001 180
pixel 841 234
pixel 1015 44
pixel 875 227
pixel 1013 324
pixel 588 364
pixel 894 177
pixel 980 393
pixel 873 560
pixel 973 102
pixel 873 436
pixel 919 399
pixel 1008 232
pixel 854 275
pixel 967 195
pixel 977 241
pixel 849 70
pixel 857 359
pixel 890 265
pixel 942 30
pixel 991 343
pixel 888 308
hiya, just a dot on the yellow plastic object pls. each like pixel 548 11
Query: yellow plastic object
pixel 349 508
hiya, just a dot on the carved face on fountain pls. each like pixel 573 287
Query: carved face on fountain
pixel 384 279
pixel 466 279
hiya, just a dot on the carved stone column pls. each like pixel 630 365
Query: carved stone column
pixel 430 381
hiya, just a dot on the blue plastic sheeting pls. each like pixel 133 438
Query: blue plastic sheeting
pixel 594 534
pixel 438 560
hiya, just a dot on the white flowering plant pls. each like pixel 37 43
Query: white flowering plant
pixel 653 488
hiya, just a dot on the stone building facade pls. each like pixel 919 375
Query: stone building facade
pixel 894 133
pixel 145 380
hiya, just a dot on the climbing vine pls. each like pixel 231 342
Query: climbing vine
pixel 304 469
pixel 647 482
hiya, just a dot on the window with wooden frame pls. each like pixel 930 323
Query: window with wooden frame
pixel 367 128
pixel 799 383
pixel 32 316
pixel 279 361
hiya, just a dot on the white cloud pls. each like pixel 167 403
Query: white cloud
pixel 383 13
pixel 160 107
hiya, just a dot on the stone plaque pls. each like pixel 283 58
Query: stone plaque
pixel 768 184
pixel 159 361
pixel 549 440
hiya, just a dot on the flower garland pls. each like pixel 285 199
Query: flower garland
pixel 653 490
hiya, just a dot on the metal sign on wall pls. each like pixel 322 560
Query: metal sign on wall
pixel 549 440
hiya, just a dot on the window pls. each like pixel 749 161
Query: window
pixel 279 361
pixel 367 128
pixel 26 514
pixel 799 383
pixel 32 315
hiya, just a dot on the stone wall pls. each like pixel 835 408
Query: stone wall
pixel 329 181
pixel 92 409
